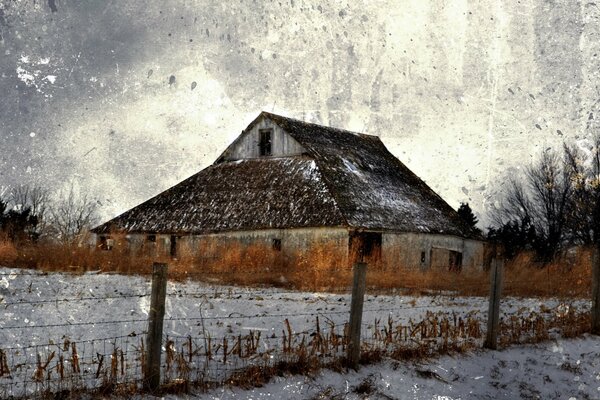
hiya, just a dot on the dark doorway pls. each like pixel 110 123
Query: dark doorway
pixel 365 247
pixel 173 249
pixel 455 261
pixel 106 243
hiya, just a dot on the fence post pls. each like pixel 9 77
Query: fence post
pixel 356 310
pixel 491 340
pixel 155 326
pixel 596 290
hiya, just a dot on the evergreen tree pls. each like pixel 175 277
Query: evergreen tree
pixel 467 215
pixel 516 236
pixel 17 225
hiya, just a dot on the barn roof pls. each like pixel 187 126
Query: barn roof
pixel 345 179
pixel 239 195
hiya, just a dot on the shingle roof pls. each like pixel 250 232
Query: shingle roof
pixel 238 195
pixel 346 179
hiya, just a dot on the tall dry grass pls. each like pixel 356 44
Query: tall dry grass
pixel 563 277
pixel 319 267
pixel 323 266
pixel 48 256
pixel 8 252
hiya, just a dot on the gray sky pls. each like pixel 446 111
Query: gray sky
pixel 127 98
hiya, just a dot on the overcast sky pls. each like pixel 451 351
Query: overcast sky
pixel 126 98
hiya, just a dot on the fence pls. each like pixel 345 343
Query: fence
pixel 204 347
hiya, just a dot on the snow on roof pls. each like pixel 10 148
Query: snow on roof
pixel 239 195
pixel 346 179
pixel 373 189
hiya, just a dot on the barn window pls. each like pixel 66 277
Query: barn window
pixel 276 244
pixel 173 248
pixel 106 243
pixel 265 139
pixel 151 238
pixel 454 260
pixel 422 257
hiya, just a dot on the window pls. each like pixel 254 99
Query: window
pixel 455 260
pixel 173 248
pixel 264 144
pixel 422 257
pixel 151 238
pixel 106 243
pixel 276 244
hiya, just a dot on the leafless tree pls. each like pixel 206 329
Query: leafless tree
pixel 515 206
pixel 583 223
pixel 37 199
pixel 73 213
pixel 540 197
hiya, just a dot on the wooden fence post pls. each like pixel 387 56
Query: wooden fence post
pixel 155 326
pixel 356 310
pixel 491 340
pixel 596 290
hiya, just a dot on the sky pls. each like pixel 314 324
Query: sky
pixel 125 99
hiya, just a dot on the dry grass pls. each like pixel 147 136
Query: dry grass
pixel 324 266
pixel 73 258
pixel 8 252
pixel 561 278
pixel 321 267
pixel 522 277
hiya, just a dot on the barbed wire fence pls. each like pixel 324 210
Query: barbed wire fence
pixel 205 359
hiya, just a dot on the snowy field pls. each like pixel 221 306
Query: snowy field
pixel 560 369
pixel 41 312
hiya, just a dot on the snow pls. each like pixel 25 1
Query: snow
pixel 37 309
pixel 561 369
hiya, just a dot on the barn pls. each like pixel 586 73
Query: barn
pixel 287 186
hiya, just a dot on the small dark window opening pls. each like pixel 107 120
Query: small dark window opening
pixel 264 144
pixel 454 261
pixel 173 249
pixel 276 244
pixel 106 243
pixel 422 257
pixel 151 238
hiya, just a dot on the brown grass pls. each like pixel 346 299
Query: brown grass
pixel 561 278
pixel 8 252
pixel 323 266
pixel 73 258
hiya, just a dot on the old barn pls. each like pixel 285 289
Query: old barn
pixel 287 186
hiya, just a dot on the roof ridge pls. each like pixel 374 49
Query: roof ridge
pixel 327 127
pixel 334 195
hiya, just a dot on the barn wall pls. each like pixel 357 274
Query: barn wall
pixel 397 249
pixel 299 242
pixel 405 250
pixel 247 146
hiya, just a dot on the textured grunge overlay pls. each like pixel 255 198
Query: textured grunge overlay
pixel 127 98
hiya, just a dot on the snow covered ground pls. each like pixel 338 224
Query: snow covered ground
pixel 560 369
pixel 40 310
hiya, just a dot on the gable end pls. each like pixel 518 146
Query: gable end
pixel 263 138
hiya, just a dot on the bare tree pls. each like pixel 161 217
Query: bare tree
pixel 72 215
pixel 539 199
pixel 583 223
pixel 36 199
pixel 515 206
pixel 550 184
